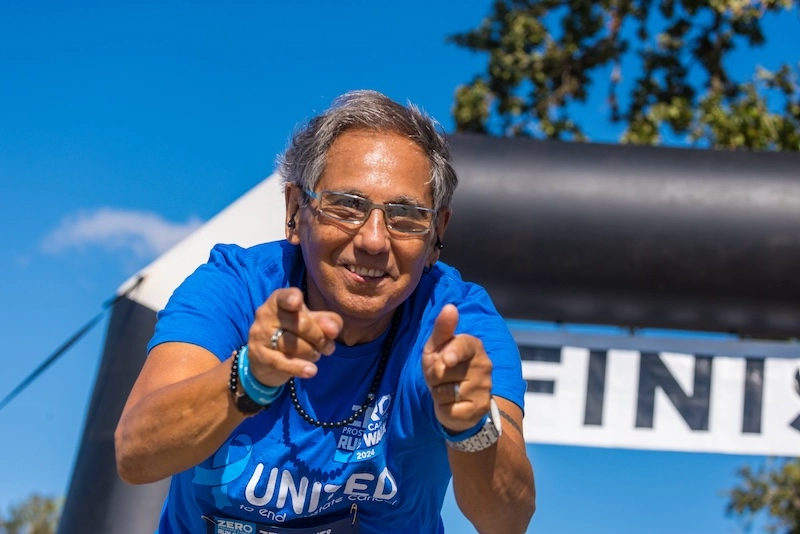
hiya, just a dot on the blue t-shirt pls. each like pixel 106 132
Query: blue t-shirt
pixel 276 468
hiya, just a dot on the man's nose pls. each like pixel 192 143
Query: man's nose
pixel 373 236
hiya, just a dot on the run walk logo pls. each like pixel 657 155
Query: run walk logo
pixel 362 439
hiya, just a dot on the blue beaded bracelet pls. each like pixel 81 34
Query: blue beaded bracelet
pixel 260 393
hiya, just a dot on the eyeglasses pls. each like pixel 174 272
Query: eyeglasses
pixel 353 209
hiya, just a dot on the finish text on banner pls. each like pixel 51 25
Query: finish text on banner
pixel 582 390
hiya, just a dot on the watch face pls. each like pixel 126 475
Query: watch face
pixel 246 405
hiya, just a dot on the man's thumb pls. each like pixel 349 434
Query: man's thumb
pixel 444 328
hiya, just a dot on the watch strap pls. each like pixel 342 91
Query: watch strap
pixel 487 436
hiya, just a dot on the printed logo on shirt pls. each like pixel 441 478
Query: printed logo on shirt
pixel 230 526
pixel 278 489
pixel 279 495
pixel 361 440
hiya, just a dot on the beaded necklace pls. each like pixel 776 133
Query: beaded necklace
pixel 386 349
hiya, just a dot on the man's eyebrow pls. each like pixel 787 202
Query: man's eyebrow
pixel 355 192
pixel 400 199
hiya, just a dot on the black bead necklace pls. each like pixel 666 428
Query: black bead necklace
pixel 386 349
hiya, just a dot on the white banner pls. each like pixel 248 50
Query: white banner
pixel 677 394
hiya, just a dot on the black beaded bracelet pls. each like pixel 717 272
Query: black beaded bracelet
pixel 242 400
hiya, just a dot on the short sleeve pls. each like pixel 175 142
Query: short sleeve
pixel 479 317
pixel 215 306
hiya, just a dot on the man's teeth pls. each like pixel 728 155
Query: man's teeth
pixel 363 271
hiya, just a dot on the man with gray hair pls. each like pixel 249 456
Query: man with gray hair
pixel 337 380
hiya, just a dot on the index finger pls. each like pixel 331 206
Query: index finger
pixel 289 299
pixel 461 349
pixel 318 329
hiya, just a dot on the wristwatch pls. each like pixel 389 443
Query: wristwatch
pixel 486 437
pixel 245 404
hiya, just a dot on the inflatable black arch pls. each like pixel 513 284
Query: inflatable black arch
pixel 629 235
pixel 575 233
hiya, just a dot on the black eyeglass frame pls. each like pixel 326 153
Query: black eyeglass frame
pixel 373 206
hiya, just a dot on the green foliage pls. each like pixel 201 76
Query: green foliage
pixel 773 489
pixel 36 515
pixel 544 56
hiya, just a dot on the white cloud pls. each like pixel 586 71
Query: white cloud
pixel 145 234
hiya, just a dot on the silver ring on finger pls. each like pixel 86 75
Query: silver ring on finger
pixel 275 338
pixel 456 392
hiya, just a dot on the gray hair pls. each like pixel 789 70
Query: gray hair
pixel 304 161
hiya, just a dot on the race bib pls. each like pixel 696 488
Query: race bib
pixel 345 525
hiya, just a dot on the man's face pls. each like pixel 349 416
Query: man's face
pixel 365 272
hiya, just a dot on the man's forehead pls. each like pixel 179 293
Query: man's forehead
pixel 382 166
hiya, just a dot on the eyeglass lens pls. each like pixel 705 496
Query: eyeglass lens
pixel 353 209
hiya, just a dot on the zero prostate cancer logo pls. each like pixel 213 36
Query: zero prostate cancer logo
pixel 228 526
pixel 358 440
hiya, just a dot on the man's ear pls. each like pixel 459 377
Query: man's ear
pixel 292 194
pixel 437 240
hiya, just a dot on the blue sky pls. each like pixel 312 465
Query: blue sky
pixel 123 127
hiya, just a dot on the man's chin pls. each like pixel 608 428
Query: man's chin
pixel 366 308
pixel 364 313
